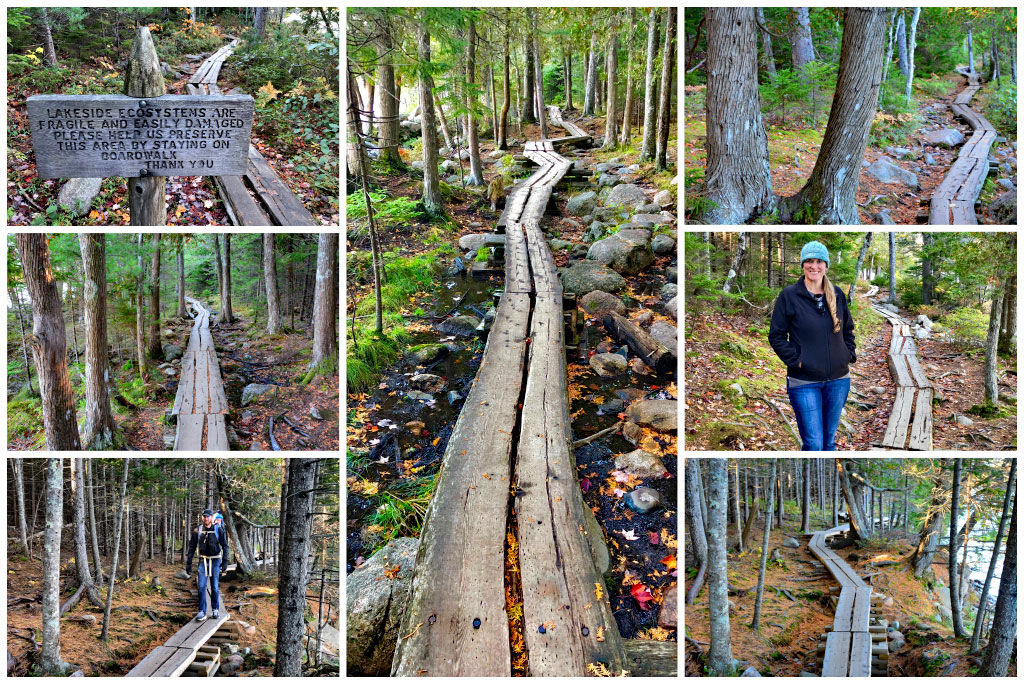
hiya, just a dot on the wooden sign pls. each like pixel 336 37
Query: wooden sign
pixel 98 136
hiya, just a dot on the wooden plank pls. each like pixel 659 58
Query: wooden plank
pixel 241 207
pixel 899 418
pixel 218 398
pixel 155 659
pixel 921 431
pixel 216 433
pixel 899 371
pixel 187 388
pixel 189 436
pixel 470 505
pixel 517 260
pixel 281 203
pixel 920 379
pixel 202 400
pixel 861 610
pixel 860 654
pixel 837 655
pixel 844 610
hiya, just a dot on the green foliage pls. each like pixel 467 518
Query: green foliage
pixel 934 87
pixel 908 292
pixel 481 254
pixel 400 511
pixel 968 327
pixel 787 88
pixel 988 410
pixel 820 78
pixel 1001 108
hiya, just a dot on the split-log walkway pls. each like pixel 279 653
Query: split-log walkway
pixel 514 430
pixel 953 202
pixel 848 650
pixel 274 203
pixel 913 391
pixel 200 400
pixel 179 652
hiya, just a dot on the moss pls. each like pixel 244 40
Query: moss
pixel 327 366
pixel 988 410
pixel 736 348
pixel 726 363
pixel 723 437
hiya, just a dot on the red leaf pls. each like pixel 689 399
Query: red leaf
pixel 655 540
pixel 585 485
pixel 642 595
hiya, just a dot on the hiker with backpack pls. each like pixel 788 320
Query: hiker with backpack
pixel 211 541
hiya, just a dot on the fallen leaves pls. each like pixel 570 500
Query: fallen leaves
pixel 641 595
pixel 628 534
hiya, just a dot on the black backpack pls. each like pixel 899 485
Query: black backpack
pixel 209 542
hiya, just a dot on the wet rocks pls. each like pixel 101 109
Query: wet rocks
pixel 598 303
pixel 947 137
pixel 612 406
pixel 663 244
pixel 632 433
pixel 454 397
pixel 474 241
pixel 582 204
pixel 668 616
pixel 626 252
pixel 416 395
pixel 644 317
pixel 637 365
pixel 254 391
pixel 375 606
pixel 665 334
pixel 423 354
pixel 887 172
pixel 608 365
pixel 462 325
pixel 427 382
pixel 643 499
pixel 586 276
pixel 171 352
pixel 658 414
pixel 1004 208
pixel 669 290
pixel 626 195
pixel 416 427
pixel 643 464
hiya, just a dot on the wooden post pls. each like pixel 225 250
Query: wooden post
pixel 143 78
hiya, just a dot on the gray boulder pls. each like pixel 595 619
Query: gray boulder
pixel 649 208
pixel 671 308
pixel 882 218
pixel 626 195
pixel 657 414
pixel 665 334
pixel 427 382
pixel 597 303
pixel 1007 184
pixel 449 166
pixel 899 152
pixel 627 251
pixel 643 499
pixel 608 365
pixel 594 232
pixel 669 290
pixel 603 167
pixel 751 671
pixel 231 664
pixel 557 244
pixel 582 204
pixel 412 126
pixel 475 241
pixel 664 198
pixel 422 354
pixel 78 193
pixel 1004 208
pixel 791 543
pixel 643 464
pixel 947 137
pixel 586 276
pixel 887 172
pixel 608 180
pixel 663 244
pixel 647 220
pixel 254 391
pixel 375 606
pixel 171 352
pixel 462 325
pixel 929 159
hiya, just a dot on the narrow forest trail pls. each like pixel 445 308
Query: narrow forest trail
pixel 911 382
pixel 200 400
pixel 953 202
pixel 514 431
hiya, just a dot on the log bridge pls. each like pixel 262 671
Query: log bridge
pixel 914 392
pixel 856 645
pixel 271 202
pixel 508 480
pixel 200 401
pixel 953 201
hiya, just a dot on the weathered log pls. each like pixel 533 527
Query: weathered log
pixel 651 658
pixel 659 358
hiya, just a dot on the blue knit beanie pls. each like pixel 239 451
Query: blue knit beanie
pixel 814 250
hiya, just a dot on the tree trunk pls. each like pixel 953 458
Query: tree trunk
pixel 803 45
pixel 954 592
pixel 611 119
pixel 665 93
pixel 694 515
pixel 140 549
pixel 99 431
pixel 892 267
pixel 18 465
pixel 868 236
pixel 476 174
pixel 502 142
pixel 239 544
pixel 970 47
pixel 766 46
pixel 155 348
pixel 737 179
pixel 627 109
pixel 181 278
pixel 568 76
pixel 49 53
pixel 650 88
pixel 720 655
pixel 590 84
pixel 431 188
pixel 901 43
pixel 1008 318
pixel 983 597
pixel 806 519
pixel 50 659
pixel 90 497
pixel 227 315
pixel 259 25
pixel 542 116
pixel 858 528
pixel 921 558
pixel 16 298
pixel 49 345
pixel 911 47
pixel 735 477
pixel 1003 637
pixel 526 113
pixel 144 78
pixel 389 96
pixel 325 310
pixel 78 517
pixel 294 567
pixel 835 494
pixel 927 284
pixel 756 624
pixel 830 195
pixel 992 340
pixel 117 549
pixel 140 309
pixel 737 261
pixel 274 325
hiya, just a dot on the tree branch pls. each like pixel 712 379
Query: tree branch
pixel 864 482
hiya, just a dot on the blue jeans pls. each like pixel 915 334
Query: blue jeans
pixel 818 407
pixel 214 583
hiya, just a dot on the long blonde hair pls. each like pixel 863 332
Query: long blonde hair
pixel 830 300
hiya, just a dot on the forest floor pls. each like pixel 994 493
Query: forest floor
pixel 791 630
pixel 723 350
pixel 396 442
pixel 133 634
pixel 793 148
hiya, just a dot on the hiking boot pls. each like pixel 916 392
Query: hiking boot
pixel 201 617
pixel 216 614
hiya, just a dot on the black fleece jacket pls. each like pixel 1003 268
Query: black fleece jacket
pixel 802 335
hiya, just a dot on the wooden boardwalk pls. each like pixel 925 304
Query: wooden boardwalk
pixel 848 650
pixel 514 429
pixel 913 391
pixel 274 203
pixel 200 402
pixel 177 653
pixel 953 201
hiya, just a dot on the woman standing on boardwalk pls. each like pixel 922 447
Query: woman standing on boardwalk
pixel 812 332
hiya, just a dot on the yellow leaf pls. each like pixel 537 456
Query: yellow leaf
pixel 270 90
pixel 94 214
pixel 179 211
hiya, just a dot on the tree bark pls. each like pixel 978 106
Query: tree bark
pixel 735 477
pixel 659 358
pixel 140 310
pixel 665 93
pixel 50 659
pixel 227 315
pixel 766 46
pixel 858 527
pixel 983 597
pixel 117 550
pixel 476 174
pixel 927 283
pixel 260 22
pixel 954 592
pixel 1003 635
pixel 49 344
pixel 901 43
pixel 611 119
pixel 647 146
pixel 431 182
pixel 806 519
pixel 860 263
pixel 802 43
pixel 542 116
pixel 388 129
pixel 694 515
pixel 325 310
pixel 144 78
pixel 99 431
pixel 830 195
pixel 135 568
pixel 502 142
pixel 81 547
pixel 720 655
pixel 274 325
pixel 743 240
pixel 527 113
pixel 155 348
pixel 90 497
pixel 911 47
pixel 970 47
pixel 738 179
pixel 1008 319
pixel 756 624
pixel 892 267
pixel 992 339
pixel 590 84
pixel 181 277
pixel 49 53
pixel 921 558
pixel 18 465
pixel 627 109
pixel 294 567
